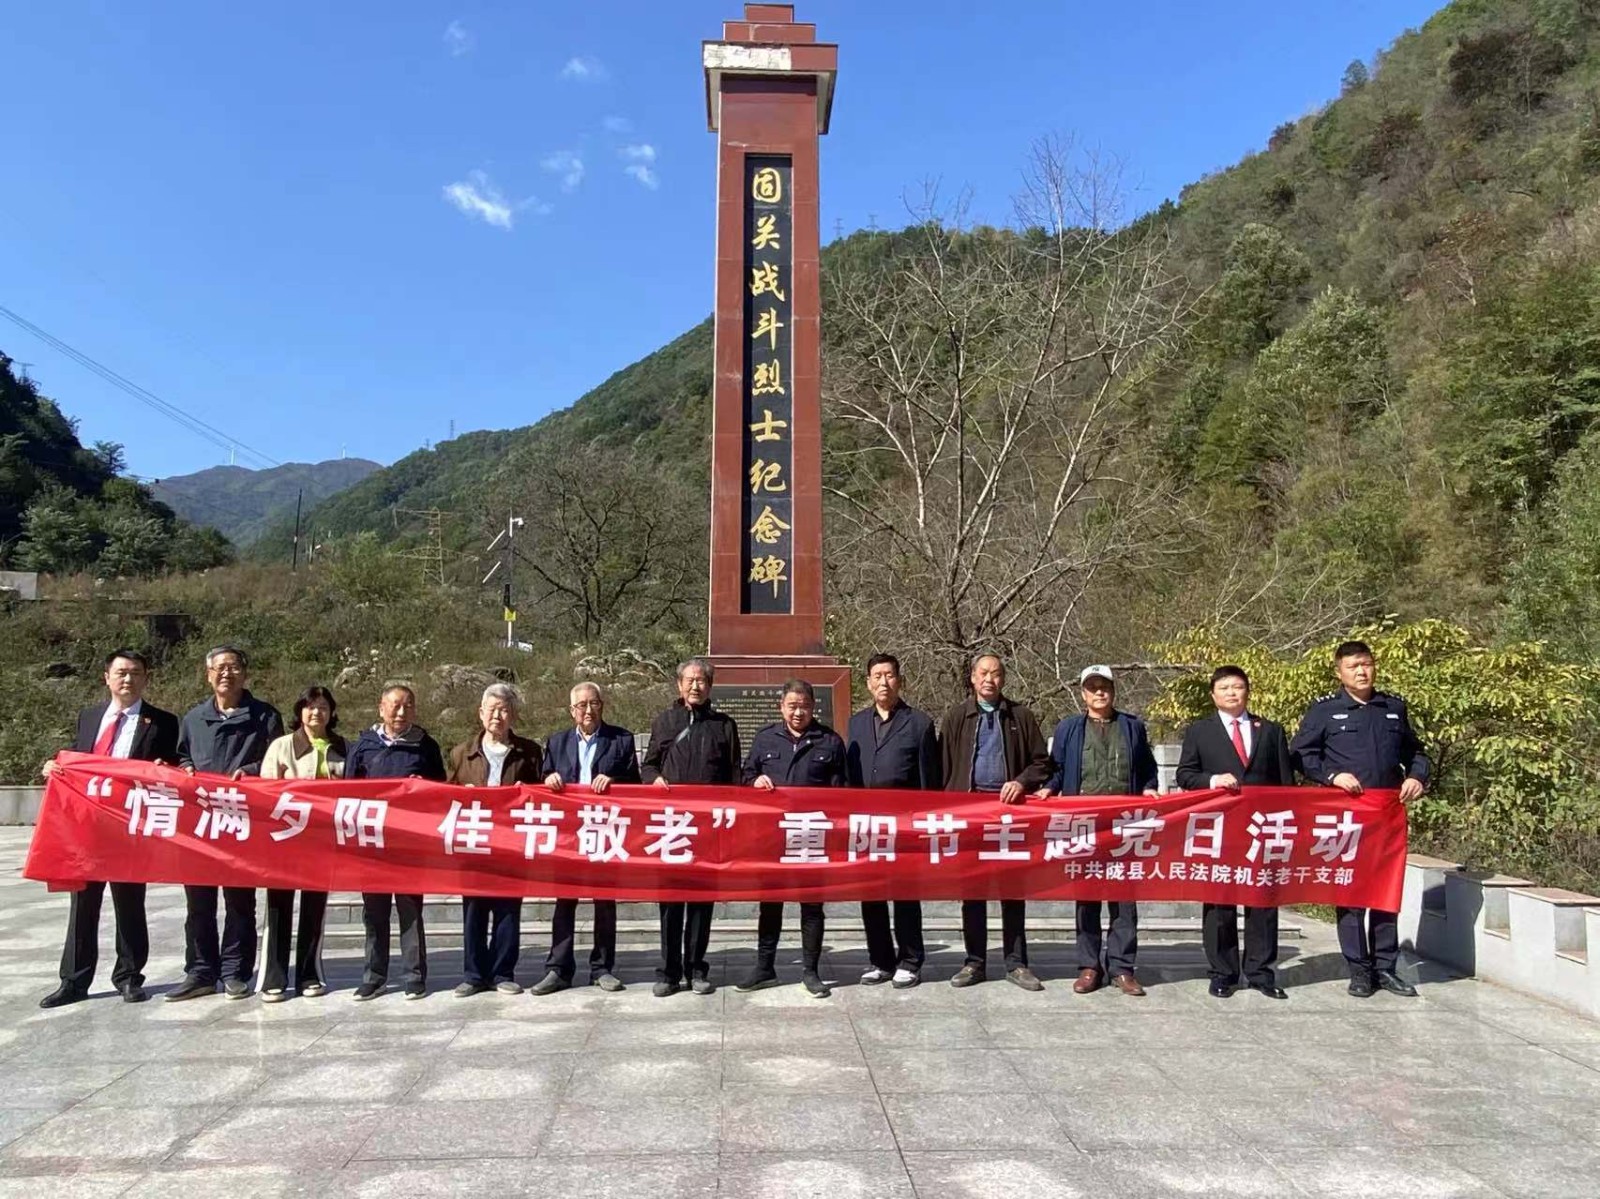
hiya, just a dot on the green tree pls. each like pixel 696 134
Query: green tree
pixel 1552 587
pixel 58 534
pixel 135 545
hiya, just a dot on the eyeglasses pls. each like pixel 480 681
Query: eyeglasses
pixel 588 703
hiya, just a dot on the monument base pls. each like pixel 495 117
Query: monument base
pixel 748 689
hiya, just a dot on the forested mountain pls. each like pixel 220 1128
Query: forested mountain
pixel 243 503
pixel 1364 382
pixel 65 506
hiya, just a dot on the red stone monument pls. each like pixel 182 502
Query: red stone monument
pixel 769 94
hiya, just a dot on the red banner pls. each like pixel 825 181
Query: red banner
pixel 128 821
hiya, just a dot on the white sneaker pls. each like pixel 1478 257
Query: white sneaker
pixel 904 978
pixel 874 976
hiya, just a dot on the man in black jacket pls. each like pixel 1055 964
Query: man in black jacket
pixel 892 745
pixel 1232 748
pixel 689 743
pixel 394 748
pixel 227 735
pixel 796 751
pixel 122 727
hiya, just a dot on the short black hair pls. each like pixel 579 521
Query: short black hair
pixel 799 687
pixel 309 696
pixel 131 655
pixel 1351 649
pixel 883 660
pixel 1229 672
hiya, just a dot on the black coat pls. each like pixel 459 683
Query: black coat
pixel 814 759
pixel 906 757
pixel 698 746
pixel 156 740
pixel 1208 750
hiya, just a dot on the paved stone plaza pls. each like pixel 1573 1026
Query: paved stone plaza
pixel 1467 1091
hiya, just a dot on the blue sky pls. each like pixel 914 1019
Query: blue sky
pixel 342 226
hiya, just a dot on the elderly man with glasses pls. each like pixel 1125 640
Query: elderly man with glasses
pixel 590 754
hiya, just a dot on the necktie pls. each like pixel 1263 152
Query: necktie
pixel 1238 741
pixel 108 736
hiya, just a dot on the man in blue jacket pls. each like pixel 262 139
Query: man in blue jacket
pixel 591 754
pixel 394 748
pixel 227 734
pixel 1104 752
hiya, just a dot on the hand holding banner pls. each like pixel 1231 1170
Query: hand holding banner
pixel 129 821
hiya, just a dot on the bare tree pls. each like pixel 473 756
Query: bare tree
pixel 985 390
pixel 617 545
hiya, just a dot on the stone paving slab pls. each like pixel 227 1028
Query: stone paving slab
pixel 1469 1090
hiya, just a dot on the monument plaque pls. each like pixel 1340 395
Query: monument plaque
pixel 769 97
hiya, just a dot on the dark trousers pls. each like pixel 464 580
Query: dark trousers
pixel 563 958
pixel 1219 923
pixel 1114 954
pixel 490 938
pixel 769 929
pixel 1013 931
pixel 204 959
pixel 413 941
pixel 685 937
pixel 81 953
pixel 907 931
pixel 1364 950
pixel 307 942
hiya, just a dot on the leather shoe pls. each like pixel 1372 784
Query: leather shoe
pixel 132 993
pixel 191 989
pixel 1395 985
pixel 1220 989
pixel 1025 978
pixel 1270 990
pixel 1128 984
pixel 64 994
pixel 968 976
pixel 1089 979
pixel 1361 986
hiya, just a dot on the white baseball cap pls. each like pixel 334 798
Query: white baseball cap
pixel 1096 672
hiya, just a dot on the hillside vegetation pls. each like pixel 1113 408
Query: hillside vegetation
pixel 242 504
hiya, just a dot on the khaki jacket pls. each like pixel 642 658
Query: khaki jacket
pixel 292 757
pixel 470 768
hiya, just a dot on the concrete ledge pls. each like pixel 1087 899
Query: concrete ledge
pixel 1504 929
pixel 20 805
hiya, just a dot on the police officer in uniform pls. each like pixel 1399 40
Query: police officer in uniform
pixel 797 751
pixel 1355 738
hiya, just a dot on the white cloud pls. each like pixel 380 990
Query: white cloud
pixel 585 69
pixel 566 164
pixel 618 125
pixel 643 174
pixel 458 39
pixel 477 197
pixel 639 158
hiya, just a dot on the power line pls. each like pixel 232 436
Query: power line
pixel 146 397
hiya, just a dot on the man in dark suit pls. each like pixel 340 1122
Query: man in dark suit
pixel 590 754
pixel 891 744
pixel 1104 752
pixel 1234 748
pixel 122 727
